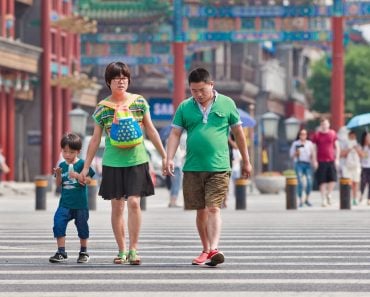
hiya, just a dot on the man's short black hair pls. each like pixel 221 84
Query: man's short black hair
pixel 199 75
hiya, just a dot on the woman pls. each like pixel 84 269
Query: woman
pixel 365 165
pixel 125 173
pixel 351 165
pixel 302 151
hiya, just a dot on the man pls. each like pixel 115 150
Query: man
pixel 207 117
pixel 327 151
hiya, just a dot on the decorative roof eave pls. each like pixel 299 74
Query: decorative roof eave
pixel 19 56
pixel 74 82
pixel 132 15
pixel 76 24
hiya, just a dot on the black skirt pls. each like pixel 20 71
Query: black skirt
pixel 122 182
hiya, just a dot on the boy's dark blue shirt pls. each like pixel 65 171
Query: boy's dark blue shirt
pixel 74 195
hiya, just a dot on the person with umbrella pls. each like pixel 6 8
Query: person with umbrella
pixel 365 165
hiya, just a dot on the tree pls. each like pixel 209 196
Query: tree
pixel 357 81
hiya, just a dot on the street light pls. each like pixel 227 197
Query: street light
pixel 78 120
pixel 270 125
pixel 292 126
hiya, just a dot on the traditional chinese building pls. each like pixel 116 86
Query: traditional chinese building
pixel 39 81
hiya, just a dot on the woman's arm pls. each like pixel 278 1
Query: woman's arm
pixel 91 151
pixel 153 135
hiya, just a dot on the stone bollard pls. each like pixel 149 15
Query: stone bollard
pixel 41 183
pixel 241 193
pixel 291 192
pixel 143 203
pixel 92 188
pixel 345 193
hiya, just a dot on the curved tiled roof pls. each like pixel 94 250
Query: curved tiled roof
pixel 146 9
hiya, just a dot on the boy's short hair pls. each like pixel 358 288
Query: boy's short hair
pixel 72 140
pixel 199 75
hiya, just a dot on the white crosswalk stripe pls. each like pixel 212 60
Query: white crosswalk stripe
pixel 283 254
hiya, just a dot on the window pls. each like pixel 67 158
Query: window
pixel 53 43
pixel 64 46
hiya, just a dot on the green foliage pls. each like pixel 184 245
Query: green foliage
pixel 357 81
pixel 319 83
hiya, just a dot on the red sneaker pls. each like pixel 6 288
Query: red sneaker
pixel 201 259
pixel 215 257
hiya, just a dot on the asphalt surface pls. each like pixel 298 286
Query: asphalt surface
pixel 269 251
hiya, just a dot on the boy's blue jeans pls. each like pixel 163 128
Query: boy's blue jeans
pixel 64 215
pixel 303 169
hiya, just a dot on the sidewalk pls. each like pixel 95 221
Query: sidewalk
pixel 15 195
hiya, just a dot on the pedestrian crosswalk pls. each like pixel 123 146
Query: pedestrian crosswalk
pixel 267 254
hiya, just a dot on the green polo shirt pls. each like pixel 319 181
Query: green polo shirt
pixel 207 134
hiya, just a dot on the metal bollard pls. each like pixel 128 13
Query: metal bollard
pixel 92 188
pixel 291 192
pixel 41 184
pixel 143 203
pixel 241 193
pixel 345 193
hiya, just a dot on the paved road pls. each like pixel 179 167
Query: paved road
pixel 269 252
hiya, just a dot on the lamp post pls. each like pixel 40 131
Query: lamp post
pixel 78 119
pixel 270 123
pixel 292 126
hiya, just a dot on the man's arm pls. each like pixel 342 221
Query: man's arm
pixel 172 145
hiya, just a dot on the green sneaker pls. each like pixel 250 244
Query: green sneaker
pixel 121 259
pixel 133 257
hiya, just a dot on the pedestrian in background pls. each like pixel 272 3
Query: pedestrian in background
pixel 303 153
pixel 351 167
pixel 235 158
pixel 73 203
pixel 365 165
pixel 4 168
pixel 327 155
pixel 176 178
pixel 206 117
pixel 125 173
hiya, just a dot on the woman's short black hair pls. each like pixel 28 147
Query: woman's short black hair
pixel 199 75
pixel 116 69
pixel 72 140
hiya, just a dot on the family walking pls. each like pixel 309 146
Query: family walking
pixel 206 117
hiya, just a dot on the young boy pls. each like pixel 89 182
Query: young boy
pixel 73 203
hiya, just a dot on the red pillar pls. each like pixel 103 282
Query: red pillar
pixel 10 135
pixel 67 107
pixel 57 122
pixel 179 93
pixel 46 111
pixel 3 117
pixel 2 18
pixel 337 78
pixel 11 12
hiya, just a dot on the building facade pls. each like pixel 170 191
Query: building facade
pixel 40 81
